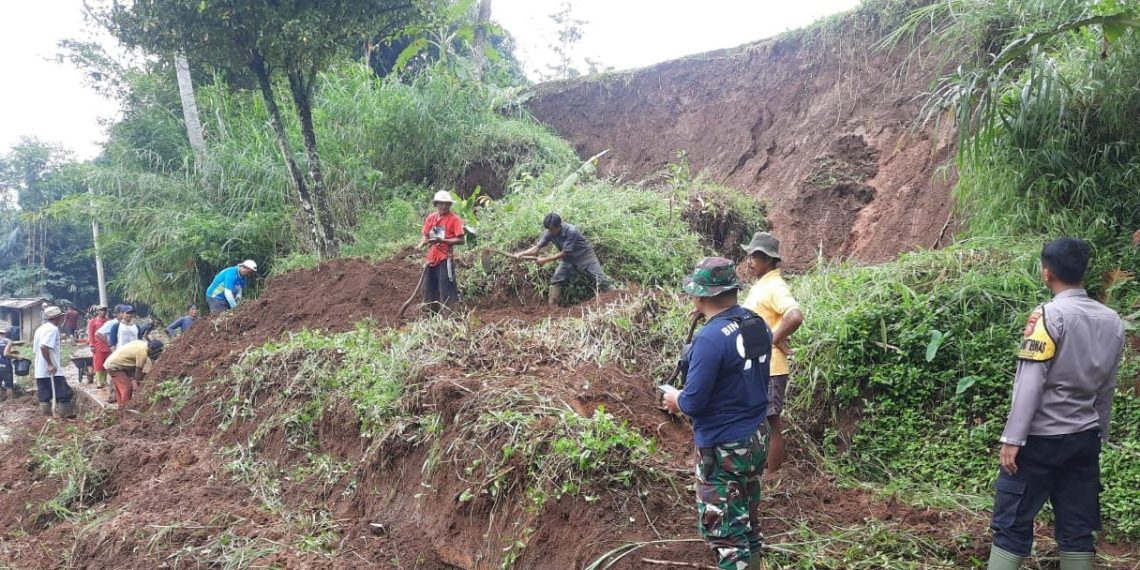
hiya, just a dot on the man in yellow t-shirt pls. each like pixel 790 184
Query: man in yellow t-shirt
pixel 772 300
pixel 128 365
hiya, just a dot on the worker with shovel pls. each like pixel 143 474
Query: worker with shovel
pixel 442 230
pixel 726 396
pixel 52 391
pixel 574 254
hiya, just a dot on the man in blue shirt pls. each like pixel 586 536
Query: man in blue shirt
pixel 225 290
pixel 182 325
pixel 726 396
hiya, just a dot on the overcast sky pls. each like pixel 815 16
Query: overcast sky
pixel 44 99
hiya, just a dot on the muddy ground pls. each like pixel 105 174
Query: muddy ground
pixel 169 497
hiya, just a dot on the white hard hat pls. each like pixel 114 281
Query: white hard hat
pixel 249 264
pixel 442 196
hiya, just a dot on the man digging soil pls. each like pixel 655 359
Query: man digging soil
pixel 224 292
pixel 128 365
pixel 574 254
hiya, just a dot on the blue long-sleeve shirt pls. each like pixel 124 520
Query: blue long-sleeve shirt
pixel 228 285
pixel 725 395
pixel 181 325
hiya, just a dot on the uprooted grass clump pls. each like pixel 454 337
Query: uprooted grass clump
pixel 69 460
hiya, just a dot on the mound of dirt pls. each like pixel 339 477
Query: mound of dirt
pixel 811 122
pixel 333 296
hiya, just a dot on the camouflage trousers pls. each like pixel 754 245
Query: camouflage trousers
pixel 728 498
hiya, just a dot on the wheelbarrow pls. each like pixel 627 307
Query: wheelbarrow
pixel 83 360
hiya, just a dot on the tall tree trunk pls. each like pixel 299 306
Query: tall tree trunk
pixel 479 45
pixel 190 108
pixel 261 71
pixel 302 89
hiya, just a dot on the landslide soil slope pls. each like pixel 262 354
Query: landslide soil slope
pixel 169 495
pixel 178 489
pixel 819 123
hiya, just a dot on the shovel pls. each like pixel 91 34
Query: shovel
pixel 419 286
pixel 485 258
pixel 54 401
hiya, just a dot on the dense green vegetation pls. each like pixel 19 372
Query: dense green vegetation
pixel 921 348
pixel 920 352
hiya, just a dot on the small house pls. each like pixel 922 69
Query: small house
pixel 23 315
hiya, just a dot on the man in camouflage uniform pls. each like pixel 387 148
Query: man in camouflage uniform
pixel 726 395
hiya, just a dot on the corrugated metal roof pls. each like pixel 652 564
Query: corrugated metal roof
pixel 19 304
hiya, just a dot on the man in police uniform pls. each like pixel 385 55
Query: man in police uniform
pixel 1062 396
pixel 726 395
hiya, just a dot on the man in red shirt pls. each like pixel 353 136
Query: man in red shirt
pixel 71 324
pixel 99 349
pixel 442 230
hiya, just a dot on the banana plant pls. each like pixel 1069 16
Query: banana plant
pixel 465 209
pixel 446 31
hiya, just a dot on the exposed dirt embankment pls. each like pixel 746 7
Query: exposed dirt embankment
pixel 819 123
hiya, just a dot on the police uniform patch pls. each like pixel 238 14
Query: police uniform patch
pixel 1036 344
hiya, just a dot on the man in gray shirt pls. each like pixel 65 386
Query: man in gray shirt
pixel 1062 397
pixel 574 253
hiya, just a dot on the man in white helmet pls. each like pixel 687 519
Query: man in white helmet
pixel 442 230
pixel 225 290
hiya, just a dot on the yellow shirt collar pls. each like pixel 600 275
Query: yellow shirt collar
pixel 773 274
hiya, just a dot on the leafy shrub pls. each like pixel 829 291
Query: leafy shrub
pixel 428 132
pixel 923 349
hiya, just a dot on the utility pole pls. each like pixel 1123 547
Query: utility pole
pixel 99 275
